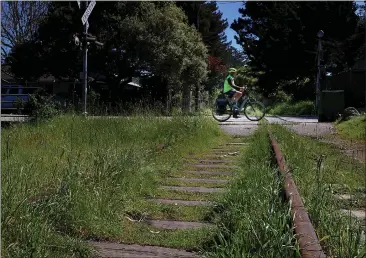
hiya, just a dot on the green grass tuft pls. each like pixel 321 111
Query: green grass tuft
pixel 73 178
pixel 253 220
pixel 316 167
pixel 353 129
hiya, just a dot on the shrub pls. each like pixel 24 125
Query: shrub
pixel 19 105
pixel 293 109
pixel 42 106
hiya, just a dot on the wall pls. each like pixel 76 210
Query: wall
pixel 353 83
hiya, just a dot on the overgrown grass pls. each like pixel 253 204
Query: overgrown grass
pixel 253 220
pixel 73 178
pixel 292 109
pixel 315 166
pixel 353 129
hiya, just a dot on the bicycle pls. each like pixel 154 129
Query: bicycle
pixel 223 108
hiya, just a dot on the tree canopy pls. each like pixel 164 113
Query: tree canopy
pixel 207 19
pixel 148 37
pixel 19 22
pixel 280 38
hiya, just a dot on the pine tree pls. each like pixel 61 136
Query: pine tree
pixel 280 38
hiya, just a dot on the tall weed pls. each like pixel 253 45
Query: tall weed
pixel 316 166
pixel 73 178
pixel 254 221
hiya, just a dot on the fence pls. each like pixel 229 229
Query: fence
pixel 203 101
pixel 353 83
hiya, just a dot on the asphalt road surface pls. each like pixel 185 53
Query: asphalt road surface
pixel 301 125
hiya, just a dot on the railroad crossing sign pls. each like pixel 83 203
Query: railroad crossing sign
pixel 88 11
pixel 87 38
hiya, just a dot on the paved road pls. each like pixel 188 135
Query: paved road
pixel 240 127
pixel 289 119
pixel 301 125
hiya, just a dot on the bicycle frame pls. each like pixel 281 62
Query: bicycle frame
pixel 246 99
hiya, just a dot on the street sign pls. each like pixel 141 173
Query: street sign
pixel 87 23
pixel 88 11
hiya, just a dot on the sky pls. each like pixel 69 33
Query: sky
pixel 230 11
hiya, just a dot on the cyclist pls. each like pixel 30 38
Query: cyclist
pixel 231 92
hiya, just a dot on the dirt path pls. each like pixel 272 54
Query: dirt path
pixel 354 149
pixel 219 162
pixel 324 132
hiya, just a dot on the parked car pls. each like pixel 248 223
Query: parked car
pixel 12 94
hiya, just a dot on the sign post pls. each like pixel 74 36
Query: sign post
pixel 88 9
pixel 318 89
pixel 85 63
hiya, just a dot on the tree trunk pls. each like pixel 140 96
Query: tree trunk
pixel 186 99
pixel 169 101
pixel 197 98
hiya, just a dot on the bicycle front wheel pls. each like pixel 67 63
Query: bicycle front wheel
pixel 254 111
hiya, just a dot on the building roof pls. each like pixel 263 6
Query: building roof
pixel 6 74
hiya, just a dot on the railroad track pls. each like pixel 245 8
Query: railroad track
pixel 305 233
pixel 309 244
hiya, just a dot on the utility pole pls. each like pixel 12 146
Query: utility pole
pixel 317 98
pixel 88 7
pixel 197 102
pixel 85 61
pixel 364 17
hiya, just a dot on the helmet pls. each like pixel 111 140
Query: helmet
pixel 232 70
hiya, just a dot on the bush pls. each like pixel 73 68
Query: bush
pixel 42 106
pixel 282 96
pixel 293 109
pixel 19 105
pixel 93 102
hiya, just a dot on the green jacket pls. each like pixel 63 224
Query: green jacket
pixel 227 86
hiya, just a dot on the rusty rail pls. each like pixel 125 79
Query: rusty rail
pixel 304 230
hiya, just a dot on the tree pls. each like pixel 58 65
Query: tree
pixel 246 76
pixel 51 42
pixel 280 38
pixel 208 21
pixel 19 22
pixel 235 57
pixel 25 61
pixel 160 41
pixel 139 37
pixel 359 37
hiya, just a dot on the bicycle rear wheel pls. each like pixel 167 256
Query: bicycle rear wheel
pixel 254 111
pixel 221 115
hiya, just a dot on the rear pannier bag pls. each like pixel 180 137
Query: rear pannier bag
pixel 221 103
